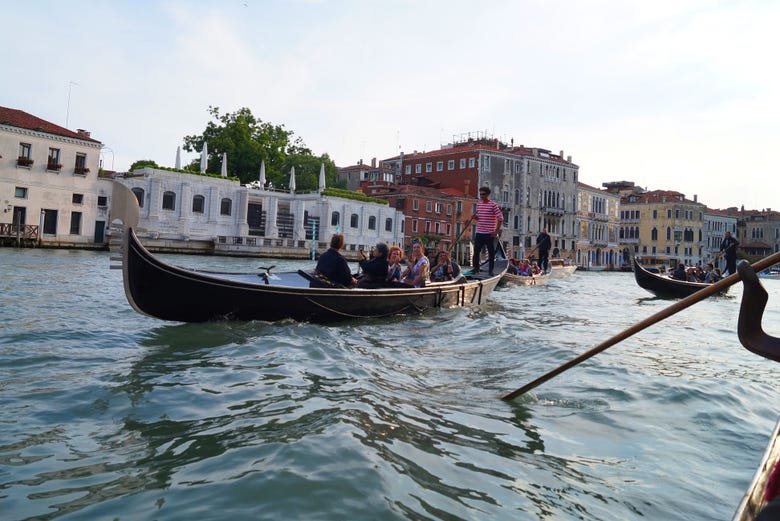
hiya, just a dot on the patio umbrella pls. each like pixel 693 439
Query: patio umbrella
pixel 224 164
pixel 322 176
pixel 292 180
pixel 204 157
pixel 261 179
pixel 178 158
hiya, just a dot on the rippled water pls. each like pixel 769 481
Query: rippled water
pixel 107 414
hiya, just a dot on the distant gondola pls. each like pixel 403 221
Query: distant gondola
pixel 666 287
pixel 179 294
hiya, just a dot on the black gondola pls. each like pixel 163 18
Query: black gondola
pixel 179 294
pixel 666 287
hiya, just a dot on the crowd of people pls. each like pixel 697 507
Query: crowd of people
pixel 708 274
pixel 384 267
pixel 526 268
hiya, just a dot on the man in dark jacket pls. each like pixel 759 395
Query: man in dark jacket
pixel 374 270
pixel 728 248
pixel 333 265
pixel 544 243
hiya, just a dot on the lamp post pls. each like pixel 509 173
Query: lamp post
pixel 40 227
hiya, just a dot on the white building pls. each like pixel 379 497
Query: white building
pixel 49 186
pixel 715 225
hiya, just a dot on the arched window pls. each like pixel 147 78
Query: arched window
pixel 198 204
pixel 668 233
pixel 372 223
pixel 388 225
pixel 334 219
pixel 226 206
pixel 353 220
pixel 139 194
pixel 169 201
pixel 654 234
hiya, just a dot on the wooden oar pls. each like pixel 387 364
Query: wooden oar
pixel 654 319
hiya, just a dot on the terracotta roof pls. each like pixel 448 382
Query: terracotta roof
pixel 480 147
pixel 21 119
pixel 657 196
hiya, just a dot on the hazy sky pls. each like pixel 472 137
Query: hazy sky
pixel 674 95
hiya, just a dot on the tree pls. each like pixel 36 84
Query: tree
pixel 248 141
pixel 142 163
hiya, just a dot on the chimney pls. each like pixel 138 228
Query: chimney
pixel 82 132
pixel 695 198
pixel 561 154
pixel 373 162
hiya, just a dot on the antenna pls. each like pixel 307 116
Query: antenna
pixel 67 114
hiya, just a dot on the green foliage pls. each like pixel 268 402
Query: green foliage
pixel 248 141
pixel 142 163
pixel 348 194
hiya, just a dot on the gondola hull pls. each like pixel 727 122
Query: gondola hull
pixel 169 292
pixel 519 280
pixel 665 287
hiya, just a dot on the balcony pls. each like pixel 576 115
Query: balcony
pixel 598 216
pixel 24 161
pixel 81 170
pixel 552 210
pixel 51 165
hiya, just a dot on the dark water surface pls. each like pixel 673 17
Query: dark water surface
pixel 107 414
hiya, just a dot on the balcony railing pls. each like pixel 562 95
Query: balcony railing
pixel 24 161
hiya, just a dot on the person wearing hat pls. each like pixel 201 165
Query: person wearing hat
pixel 374 270
pixel 489 220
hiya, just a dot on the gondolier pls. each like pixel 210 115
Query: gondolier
pixel 489 220
pixel 728 248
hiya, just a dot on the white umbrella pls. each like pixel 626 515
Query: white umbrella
pixel 224 164
pixel 322 176
pixel 204 157
pixel 262 174
pixel 178 158
pixel 292 180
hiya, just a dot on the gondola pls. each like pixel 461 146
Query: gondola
pixel 510 279
pixel 666 287
pixel 169 292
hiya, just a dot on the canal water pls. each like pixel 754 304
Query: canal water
pixel 108 414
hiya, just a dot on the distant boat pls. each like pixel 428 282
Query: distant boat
pixel 664 286
pixel 170 292
pixel 561 268
pixel 510 279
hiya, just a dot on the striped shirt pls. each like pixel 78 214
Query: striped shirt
pixel 487 215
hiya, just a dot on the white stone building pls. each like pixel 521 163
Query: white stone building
pixel 49 186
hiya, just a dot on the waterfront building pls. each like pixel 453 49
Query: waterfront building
pixel 184 211
pixel 534 187
pixel 661 223
pixel 758 231
pixel 50 191
pixel 598 223
pixel 356 177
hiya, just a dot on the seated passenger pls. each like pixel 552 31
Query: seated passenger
pixel 333 265
pixel 679 272
pixel 445 269
pixel 394 264
pixel 417 273
pixel 374 270
pixel 710 275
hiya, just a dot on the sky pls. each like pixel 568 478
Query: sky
pixel 672 95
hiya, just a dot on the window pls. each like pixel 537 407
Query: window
pixel 451 164
pixel 81 164
pixel 20 192
pixel 169 201
pixel 654 235
pixel 463 162
pixel 438 207
pixel 78 198
pixel 198 204
pixel 439 166
pixel 414 225
pixel 438 228
pixel 417 168
pixel 75 223
pixel 429 207
pixel 427 226
pixel 415 205
pixel 459 207
pixel 53 162
pixel 334 219
pixel 408 169
pixel 372 223
pixel 388 225
pixel 655 214
pixel 226 206
pixel 25 150
pixel 353 220
pixel 429 167
pixel 471 162
pixel 139 194
pixel 102 201
pixel 449 209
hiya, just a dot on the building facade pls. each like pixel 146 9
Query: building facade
pixel 49 185
pixel 598 224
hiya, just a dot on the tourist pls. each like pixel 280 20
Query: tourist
pixel 394 264
pixel 679 273
pixel 489 220
pixel 445 269
pixel 333 266
pixel 419 267
pixel 374 270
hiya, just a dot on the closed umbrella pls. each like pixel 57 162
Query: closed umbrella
pixel 292 180
pixel 178 158
pixel 322 176
pixel 204 157
pixel 224 164
pixel 261 179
